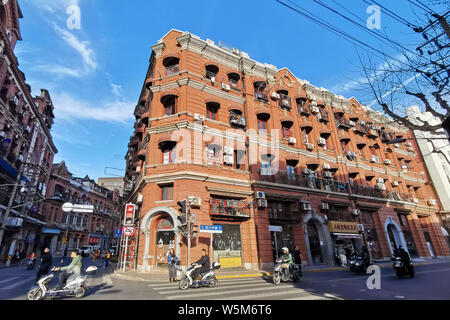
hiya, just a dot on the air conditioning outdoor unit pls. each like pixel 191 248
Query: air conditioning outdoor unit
pixel 292 140
pixel 261 203
pixel 328 174
pixel 309 146
pixel 138 169
pixel 404 166
pixel 326 166
pixel 225 87
pixel 374 159
pixel 410 149
pixel 315 109
pixel 396 145
pixel 196 202
pixel 362 122
pixel 260 195
pixel 20 157
pixel 432 202
pixel 213 79
pixel 381 186
pixel 139 198
pixel 266 171
pixel 306 171
pixel 408 144
pixel 415 200
pixel 228 159
pixel 351 123
pixel 405 171
pixel 387 161
pixel 356 212
pixel 395 183
pixel 324 206
pixel 199 117
pixel 321 141
pixel 228 150
pixel 380 180
pixel 306 206
pixel 242 122
pixel 275 95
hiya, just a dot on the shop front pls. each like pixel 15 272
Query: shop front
pixel 227 246
pixel 345 235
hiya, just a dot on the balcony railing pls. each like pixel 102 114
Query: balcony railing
pixel 323 116
pixel 342 122
pixel 230 208
pixel 301 180
pixel 382 194
pixel 284 101
pixel 237 120
pixel 261 94
pixel 304 109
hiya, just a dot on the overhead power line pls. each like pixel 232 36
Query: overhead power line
pixel 391 14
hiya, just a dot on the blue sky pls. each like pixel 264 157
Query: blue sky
pixel 95 73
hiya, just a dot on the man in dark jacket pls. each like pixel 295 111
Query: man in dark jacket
pixel 46 262
pixel 205 265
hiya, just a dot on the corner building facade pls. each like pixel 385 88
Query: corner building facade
pixel 258 147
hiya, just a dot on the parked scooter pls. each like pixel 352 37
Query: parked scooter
pixel 208 279
pixel 74 287
pixel 282 272
pixel 401 269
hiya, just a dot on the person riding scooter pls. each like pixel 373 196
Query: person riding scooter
pixel 204 263
pixel 287 258
pixel 404 256
pixel 74 268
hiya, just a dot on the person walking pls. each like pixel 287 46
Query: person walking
pixel 342 257
pixel 107 258
pixel 46 262
pixel 172 260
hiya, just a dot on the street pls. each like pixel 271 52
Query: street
pixel 431 282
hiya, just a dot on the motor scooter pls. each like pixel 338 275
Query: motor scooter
pixel 75 286
pixel 281 272
pixel 400 268
pixel 208 279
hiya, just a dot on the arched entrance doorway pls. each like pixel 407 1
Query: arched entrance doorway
pixel 391 237
pixel 394 235
pixel 314 242
pixel 158 226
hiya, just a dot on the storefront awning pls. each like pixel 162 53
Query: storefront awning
pixel 347 235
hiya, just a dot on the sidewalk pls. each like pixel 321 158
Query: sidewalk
pixel 161 274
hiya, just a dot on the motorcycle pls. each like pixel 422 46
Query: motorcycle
pixel 74 287
pixel 208 279
pixel 31 263
pixel 281 272
pixel 400 268
pixel 361 264
pixel 351 263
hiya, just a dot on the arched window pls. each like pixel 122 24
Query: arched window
pixel 170 104
pixel 172 65
pixel 211 72
pixel 211 110
pixel 233 79
pixel 260 92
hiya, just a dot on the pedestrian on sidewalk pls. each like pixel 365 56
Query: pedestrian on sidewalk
pixel 172 260
pixel 342 257
pixel 107 258
pixel 46 262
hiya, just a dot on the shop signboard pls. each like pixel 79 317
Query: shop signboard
pixel 343 227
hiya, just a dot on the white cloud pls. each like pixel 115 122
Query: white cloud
pixel 116 89
pixel 82 47
pixel 59 71
pixel 70 108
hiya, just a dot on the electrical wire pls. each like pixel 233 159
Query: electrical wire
pixel 392 14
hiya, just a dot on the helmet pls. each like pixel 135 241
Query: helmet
pixel 285 249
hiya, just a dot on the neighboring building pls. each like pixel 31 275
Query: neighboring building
pixel 79 229
pixel 258 147
pixel 25 142
pixel 113 184
pixel 435 148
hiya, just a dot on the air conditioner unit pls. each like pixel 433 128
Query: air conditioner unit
pixel 410 149
pixel 396 145
pixel 225 87
pixel 292 140
pixel 196 202
pixel 228 150
pixel 309 146
pixel 138 169
pixel 228 159
pixel 387 161
pixel 362 122
pixel 266 171
pixel 432 202
pixel 321 141
pixel 261 203
pixel 404 166
pixel 324 206
pixel 260 195
pixel 326 166
pixel 315 109
pixel 356 212
pixel 360 227
pixel 381 186
pixel 395 183
pixel 380 180
pixel 242 122
pixel 275 95
pixel 415 200
pixel 199 117
pixel 328 174
pixel 351 123
pixel 314 103
pixel 139 198
pixel 405 171
pixel 408 144
pixel 213 79
pixel 306 206
pixel 374 159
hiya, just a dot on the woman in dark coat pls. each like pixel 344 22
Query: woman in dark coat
pixel 46 263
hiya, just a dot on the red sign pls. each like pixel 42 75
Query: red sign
pixel 129 214
pixel 94 240
pixel 128 231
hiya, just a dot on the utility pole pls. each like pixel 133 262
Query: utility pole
pixel 188 205
pixel 11 202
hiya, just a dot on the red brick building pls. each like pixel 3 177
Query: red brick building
pixel 259 147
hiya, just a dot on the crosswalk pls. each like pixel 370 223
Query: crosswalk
pixel 11 283
pixel 239 289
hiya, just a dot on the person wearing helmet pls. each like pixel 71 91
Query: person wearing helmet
pixel 286 256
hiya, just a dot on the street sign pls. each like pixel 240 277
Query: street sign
pixel 211 228
pixel 275 228
pixel 129 214
pixel 118 233
pixel 128 231
pixel 67 207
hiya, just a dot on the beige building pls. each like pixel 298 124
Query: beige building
pixel 112 184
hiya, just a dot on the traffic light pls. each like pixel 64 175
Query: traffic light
pixel 182 209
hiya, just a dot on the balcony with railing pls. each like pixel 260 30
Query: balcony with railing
pixel 234 209
pixel 303 108
pixel 302 180
pixel 341 122
pixel 382 194
pixel 284 101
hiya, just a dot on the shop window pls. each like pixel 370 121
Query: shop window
pixel 227 246
pixel 167 192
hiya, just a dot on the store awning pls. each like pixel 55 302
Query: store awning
pixel 347 235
